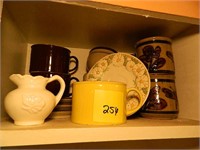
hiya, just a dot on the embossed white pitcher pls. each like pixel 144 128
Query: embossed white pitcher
pixel 31 102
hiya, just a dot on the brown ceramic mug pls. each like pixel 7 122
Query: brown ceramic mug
pixel 156 54
pixel 162 101
pixel 55 86
pixel 51 58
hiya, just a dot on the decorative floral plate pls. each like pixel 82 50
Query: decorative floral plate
pixel 123 67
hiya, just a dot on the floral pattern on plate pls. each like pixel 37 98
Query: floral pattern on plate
pixel 122 67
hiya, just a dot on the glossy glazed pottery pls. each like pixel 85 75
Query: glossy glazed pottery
pixel 125 68
pixel 156 54
pixel 96 54
pixel 54 86
pixel 31 103
pixel 62 109
pixel 162 102
pixel 52 58
pixel 100 102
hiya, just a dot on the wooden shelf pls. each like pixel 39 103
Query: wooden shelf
pixel 80 26
pixel 59 131
pixel 162 6
pixel 92 24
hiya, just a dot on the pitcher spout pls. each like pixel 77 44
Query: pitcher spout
pixel 15 78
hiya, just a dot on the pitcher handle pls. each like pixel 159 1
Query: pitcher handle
pixel 62 86
pixel 134 103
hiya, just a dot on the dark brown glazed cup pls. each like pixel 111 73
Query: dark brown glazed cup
pixel 51 58
pixel 55 86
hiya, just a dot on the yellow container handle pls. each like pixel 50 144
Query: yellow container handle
pixel 133 102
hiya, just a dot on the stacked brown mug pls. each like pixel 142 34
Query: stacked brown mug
pixel 156 54
pixel 48 60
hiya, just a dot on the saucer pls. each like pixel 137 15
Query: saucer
pixel 60 114
pixel 65 100
pixel 125 68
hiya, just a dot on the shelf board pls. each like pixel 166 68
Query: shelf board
pixel 161 6
pixel 58 131
pixel 89 24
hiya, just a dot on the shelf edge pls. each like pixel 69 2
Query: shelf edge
pixel 81 135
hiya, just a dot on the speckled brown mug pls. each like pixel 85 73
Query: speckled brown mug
pixel 162 101
pixel 156 54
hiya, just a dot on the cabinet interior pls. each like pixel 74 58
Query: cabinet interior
pixel 88 27
pixel 81 26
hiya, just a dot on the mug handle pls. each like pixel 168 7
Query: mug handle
pixel 73 70
pixel 62 87
pixel 73 78
pixel 133 103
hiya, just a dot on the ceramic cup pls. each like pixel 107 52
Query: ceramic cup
pixel 96 54
pixel 162 102
pixel 156 54
pixel 55 86
pixel 100 102
pixel 52 58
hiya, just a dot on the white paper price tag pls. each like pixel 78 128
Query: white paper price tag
pixel 108 106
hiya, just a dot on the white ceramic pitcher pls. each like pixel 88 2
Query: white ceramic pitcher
pixel 31 102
